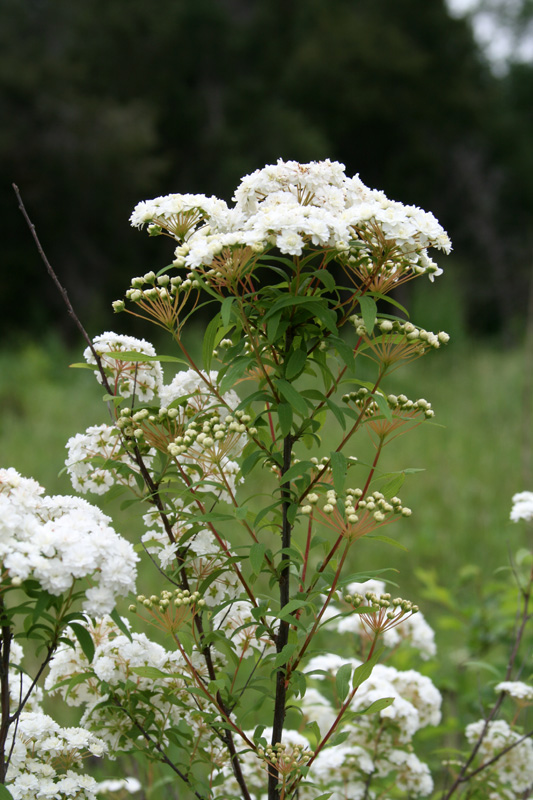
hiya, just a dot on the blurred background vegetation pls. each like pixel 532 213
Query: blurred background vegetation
pixel 108 102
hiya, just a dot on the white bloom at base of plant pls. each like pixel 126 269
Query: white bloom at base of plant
pixel 522 506
pixel 516 689
pixel 128 377
pixel 113 666
pixel 58 540
pixel 43 757
pixel 515 767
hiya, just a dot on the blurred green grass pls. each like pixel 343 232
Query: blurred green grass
pixel 471 456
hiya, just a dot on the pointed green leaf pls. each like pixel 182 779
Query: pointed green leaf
pixel 285 418
pixel 369 311
pixel 339 466
pixel 292 396
pixel 225 310
pixel 342 681
pixel 257 554
pixel 377 705
pixel 295 364
pixel 84 638
pixel 119 622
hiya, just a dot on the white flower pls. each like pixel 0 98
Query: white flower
pixel 522 506
pixel 128 377
pixel 517 689
pixel 515 767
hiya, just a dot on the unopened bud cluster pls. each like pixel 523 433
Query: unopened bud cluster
pixel 406 329
pixel 287 758
pixel 213 429
pixel 375 504
pixel 378 601
pixel 362 398
pixel 133 424
pixel 381 612
pixel 178 598
pixel 150 287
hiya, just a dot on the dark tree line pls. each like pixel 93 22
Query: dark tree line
pixel 107 102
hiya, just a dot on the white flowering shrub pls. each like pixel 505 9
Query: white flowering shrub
pixel 272 670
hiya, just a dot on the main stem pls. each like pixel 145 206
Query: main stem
pixel 283 633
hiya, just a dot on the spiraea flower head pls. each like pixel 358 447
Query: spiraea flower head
pixel 127 376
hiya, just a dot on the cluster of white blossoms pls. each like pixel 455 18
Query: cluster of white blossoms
pixel 46 757
pixel 522 506
pixel 127 377
pixel 389 756
pixel 514 769
pixel 112 672
pixel 59 540
pixel 96 460
pixel 517 689
pixel 294 206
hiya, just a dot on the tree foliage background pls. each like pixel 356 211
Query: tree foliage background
pixel 107 102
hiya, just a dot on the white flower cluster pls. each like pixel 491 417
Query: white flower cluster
pixel 40 752
pixel 93 461
pixel 292 206
pixel 127 377
pixel 414 630
pixel 517 689
pixel 58 540
pixel 522 506
pixel 388 756
pixel 514 769
pixel 113 670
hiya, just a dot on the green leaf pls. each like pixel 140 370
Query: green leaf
pixel 295 363
pixel 149 672
pixel 342 681
pixel 209 342
pixel 337 411
pixel 393 486
pixel 225 310
pixel 5 794
pixel 285 654
pixel 293 397
pixel 250 461
pixel 117 619
pixel 383 405
pixel 301 468
pixel 326 278
pixel 364 671
pixel 369 311
pixel 377 705
pixel 285 418
pixel 380 538
pixel 257 554
pixel 483 665
pixel 84 638
pixel 339 466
